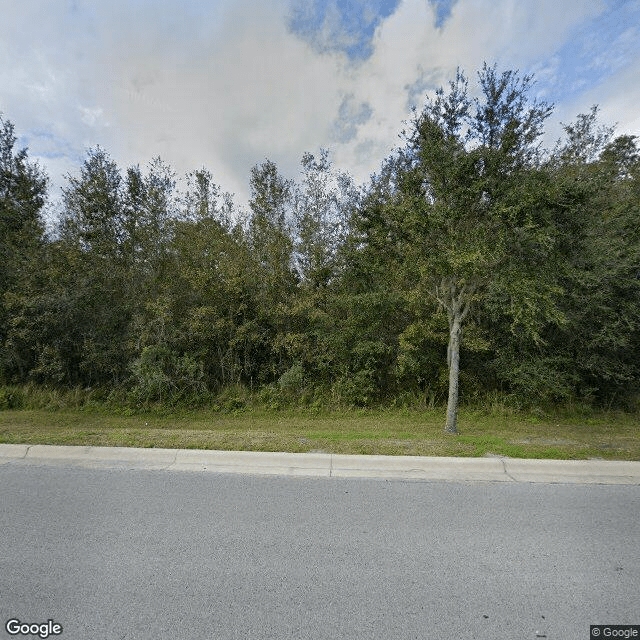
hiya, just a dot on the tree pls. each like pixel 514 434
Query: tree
pixel 209 299
pixel 23 190
pixel 322 207
pixel 269 230
pixel 90 280
pixel 598 176
pixel 462 198
pixel 93 206
pixel 203 199
pixel 269 237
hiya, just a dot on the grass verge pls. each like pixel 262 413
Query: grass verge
pixel 609 436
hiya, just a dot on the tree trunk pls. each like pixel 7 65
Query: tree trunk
pixel 454 372
pixel 457 300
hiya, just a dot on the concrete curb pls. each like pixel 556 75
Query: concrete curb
pixel 327 465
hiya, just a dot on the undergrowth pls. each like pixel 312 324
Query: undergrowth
pixel 237 399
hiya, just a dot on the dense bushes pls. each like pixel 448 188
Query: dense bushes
pixel 147 295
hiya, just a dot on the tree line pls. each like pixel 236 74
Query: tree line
pixel 475 262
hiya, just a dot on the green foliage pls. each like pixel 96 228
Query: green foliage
pixel 459 205
pixel 420 363
pixel 321 214
pixel 11 398
pixel 160 375
pixel 23 188
pixel 233 398
pixel 33 396
pixel 355 389
pixel 470 240
pixel 291 381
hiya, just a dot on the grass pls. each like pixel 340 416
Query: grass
pixel 609 436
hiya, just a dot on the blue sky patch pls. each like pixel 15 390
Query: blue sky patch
pixel 442 10
pixel 350 115
pixel 339 25
pixel 597 49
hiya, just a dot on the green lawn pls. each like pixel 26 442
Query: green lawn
pixel 610 436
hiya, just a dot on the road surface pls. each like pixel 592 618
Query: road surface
pixel 147 554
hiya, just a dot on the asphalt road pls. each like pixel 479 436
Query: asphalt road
pixel 135 554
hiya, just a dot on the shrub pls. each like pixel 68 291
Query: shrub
pixel 11 398
pixel 233 397
pixel 162 376
pixel 291 381
pixel 357 389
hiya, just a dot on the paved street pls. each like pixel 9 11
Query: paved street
pixel 145 554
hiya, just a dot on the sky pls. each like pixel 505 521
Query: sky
pixel 225 84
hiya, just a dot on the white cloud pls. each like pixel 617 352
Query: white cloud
pixel 225 84
pixel 227 99
pixel 92 116
pixel 618 97
pixel 409 48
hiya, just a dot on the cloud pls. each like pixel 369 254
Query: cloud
pixel 412 56
pixel 92 117
pixel 350 116
pixel 228 97
pixel 618 96
pixel 228 83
